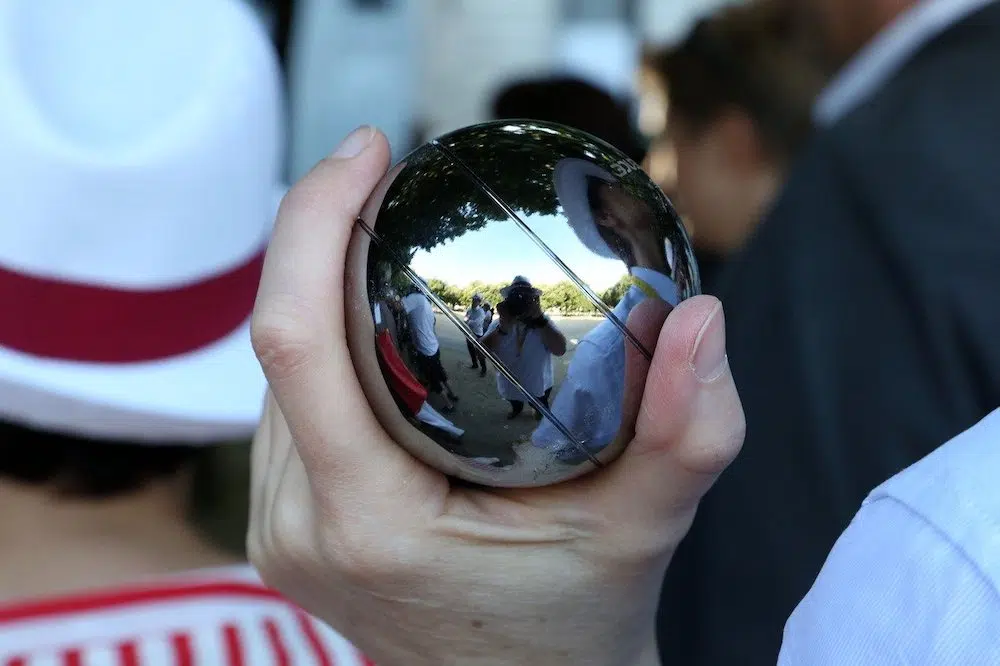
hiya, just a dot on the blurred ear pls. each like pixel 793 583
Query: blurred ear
pixel 739 138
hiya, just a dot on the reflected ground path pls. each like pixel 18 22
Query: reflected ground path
pixel 478 398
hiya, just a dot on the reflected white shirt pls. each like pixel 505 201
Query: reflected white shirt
pixel 589 401
pixel 531 365
pixel 420 316
pixel 915 578
pixel 476 319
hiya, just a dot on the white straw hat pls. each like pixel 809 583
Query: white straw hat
pixel 570 178
pixel 140 173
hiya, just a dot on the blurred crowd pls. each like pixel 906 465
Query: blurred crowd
pixel 852 238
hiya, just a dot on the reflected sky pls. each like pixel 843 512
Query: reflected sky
pixel 503 254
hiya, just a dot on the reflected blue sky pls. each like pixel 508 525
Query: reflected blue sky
pixel 502 250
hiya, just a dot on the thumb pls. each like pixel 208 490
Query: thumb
pixel 690 423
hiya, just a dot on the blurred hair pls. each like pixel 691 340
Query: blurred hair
pixel 87 468
pixel 746 57
pixel 572 102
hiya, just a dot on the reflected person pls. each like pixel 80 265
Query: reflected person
pixel 614 224
pixel 488 311
pixel 524 340
pixel 422 325
pixel 475 319
pixel 407 391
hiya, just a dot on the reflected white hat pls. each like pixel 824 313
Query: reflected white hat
pixel 140 174
pixel 570 177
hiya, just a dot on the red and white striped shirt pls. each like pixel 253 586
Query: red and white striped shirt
pixel 214 618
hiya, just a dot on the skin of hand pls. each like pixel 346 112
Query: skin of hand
pixel 552 337
pixel 534 310
pixel 418 571
pixel 506 321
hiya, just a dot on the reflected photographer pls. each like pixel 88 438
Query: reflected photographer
pixel 524 340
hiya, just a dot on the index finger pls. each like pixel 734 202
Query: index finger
pixel 299 330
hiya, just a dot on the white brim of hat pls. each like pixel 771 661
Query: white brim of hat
pixel 207 396
pixel 571 189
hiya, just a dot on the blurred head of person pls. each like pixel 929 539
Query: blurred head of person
pixel 741 91
pixel 572 102
pixel 132 266
pixel 653 101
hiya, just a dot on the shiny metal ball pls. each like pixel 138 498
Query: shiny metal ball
pixel 506 285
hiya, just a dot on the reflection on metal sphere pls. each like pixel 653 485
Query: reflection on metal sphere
pixel 510 280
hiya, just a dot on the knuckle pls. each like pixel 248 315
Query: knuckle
pixel 290 546
pixel 328 187
pixel 279 543
pixel 287 530
pixel 263 562
pixel 283 337
pixel 280 560
pixel 256 554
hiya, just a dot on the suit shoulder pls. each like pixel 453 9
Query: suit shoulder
pixel 945 101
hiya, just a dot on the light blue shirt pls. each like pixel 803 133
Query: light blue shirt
pixel 913 581
pixel 589 403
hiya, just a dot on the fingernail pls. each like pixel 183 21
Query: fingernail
pixel 355 143
pixel 708 358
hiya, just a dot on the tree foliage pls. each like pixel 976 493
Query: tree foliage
pixel 438 196
pixel 616 292
pixel 435 199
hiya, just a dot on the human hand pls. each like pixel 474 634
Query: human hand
pixel 534 310
pixel 504 318
pixel 417 571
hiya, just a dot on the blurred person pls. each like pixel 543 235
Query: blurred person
pixel 653 102
pixel 860 323
pixel 741 90
pixel 140 174
pixel 572 102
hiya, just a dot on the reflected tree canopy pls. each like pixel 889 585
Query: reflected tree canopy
pixel 446 189
pixel 562 297
pixel 516 160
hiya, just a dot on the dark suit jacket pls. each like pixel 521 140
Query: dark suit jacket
pixel 864 331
